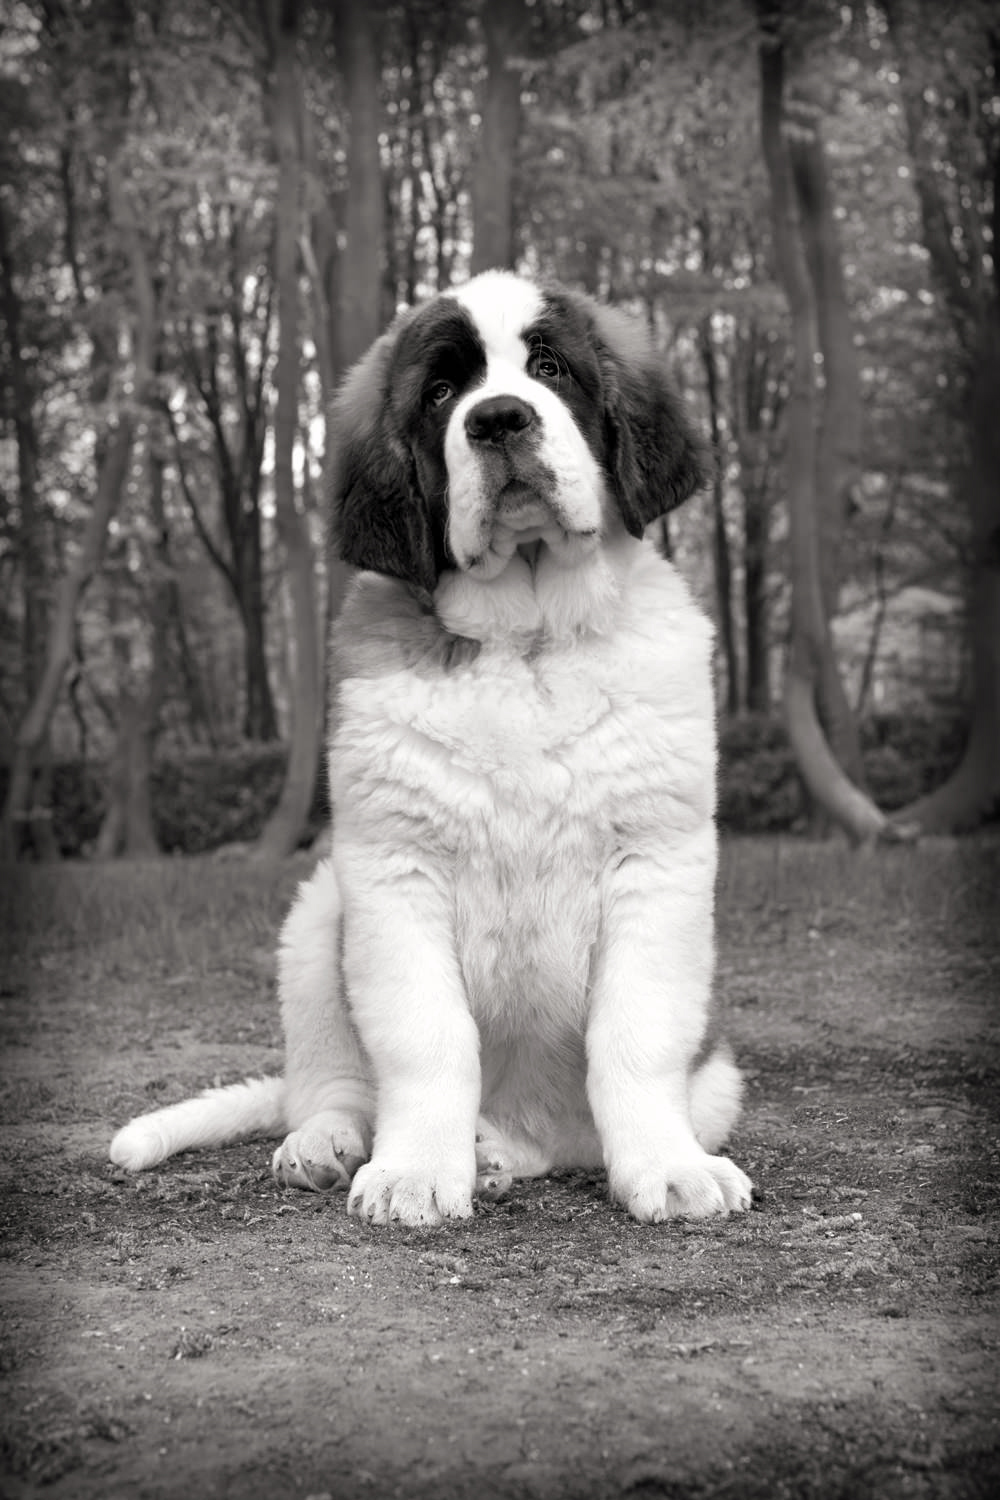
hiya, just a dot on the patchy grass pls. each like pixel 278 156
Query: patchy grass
pixel 124 917
pixel 195 1331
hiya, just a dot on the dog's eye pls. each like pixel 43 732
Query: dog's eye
pixel 439 393
pixel 544 366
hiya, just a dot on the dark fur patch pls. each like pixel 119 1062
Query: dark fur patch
pixel 390 482
pixel 653 457
pixel 565 332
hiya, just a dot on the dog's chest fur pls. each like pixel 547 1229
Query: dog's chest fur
pixel 519 778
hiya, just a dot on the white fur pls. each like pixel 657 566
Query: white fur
pixel 576 499
pixel 501 305
pixel 506 963
pixel 504 307
pixel 237 1112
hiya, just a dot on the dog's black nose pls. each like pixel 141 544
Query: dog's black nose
pixel 491 420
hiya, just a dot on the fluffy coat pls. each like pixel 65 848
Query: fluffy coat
pixel 505 964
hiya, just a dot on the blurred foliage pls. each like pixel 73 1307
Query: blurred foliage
pixel 201 800
pixel 904 756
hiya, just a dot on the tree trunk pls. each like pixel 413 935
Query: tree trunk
pixel 881 603
pixel 850 807
pixel 754 413
pixel 337 572
pixel 723 564
pixel 239 479
pixel 200 717
pixel 31 734
pixel 285 826
pixel 260 721
pixel 505 24
pixel 971 292
pixel 128 828
pixel 811 650
pixel 972 792
pixel 359 317
pixel 838 447
pixel 36 826
pixel 356 287
pixel 838 469
pixel 755 601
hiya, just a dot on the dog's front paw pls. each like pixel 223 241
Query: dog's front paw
pixel 386 1194
pixel 323 1155
pixel 690 1187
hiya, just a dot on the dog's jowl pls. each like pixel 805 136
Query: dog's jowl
pixel 505 963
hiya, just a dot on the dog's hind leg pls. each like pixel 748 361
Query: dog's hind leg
pixel 502 1155
pixel 325 1152
pixel 328 1091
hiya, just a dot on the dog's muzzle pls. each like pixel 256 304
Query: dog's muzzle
pixel 503 431
pixel 520 474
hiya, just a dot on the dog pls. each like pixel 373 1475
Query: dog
pixel 505 965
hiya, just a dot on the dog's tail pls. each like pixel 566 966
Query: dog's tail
pixel 215 1118
pixel 716 1097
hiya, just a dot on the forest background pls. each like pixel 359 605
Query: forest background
pixel 207 212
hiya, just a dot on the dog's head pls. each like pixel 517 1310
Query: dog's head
pixel 500 415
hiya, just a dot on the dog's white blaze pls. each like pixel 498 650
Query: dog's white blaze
pixel 494 591
pixel 577 500
pixel 502 306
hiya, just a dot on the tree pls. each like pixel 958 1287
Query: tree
pixel 128 822
pixel 110 95
pixel 505 27
pixel 31 734
pixel 428 75
pixel 723 563
pixel 284 826
pixel 34 813
pixel 811 666
pixel 756 406
pixel 223 349
pixel 950 66
pixel 359 306
pixel 838 435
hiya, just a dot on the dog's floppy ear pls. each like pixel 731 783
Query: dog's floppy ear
pixel 655 458
pixel 380 518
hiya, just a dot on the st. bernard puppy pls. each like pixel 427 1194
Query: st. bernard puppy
pixel 505 965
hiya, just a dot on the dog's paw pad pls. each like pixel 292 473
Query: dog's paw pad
pixel 319 1159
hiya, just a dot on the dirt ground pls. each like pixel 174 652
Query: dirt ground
pixel 197 1332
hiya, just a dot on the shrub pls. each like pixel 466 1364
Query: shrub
pixel 907 756
pixel 759 787
pixel 200 800
pixel 760 790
